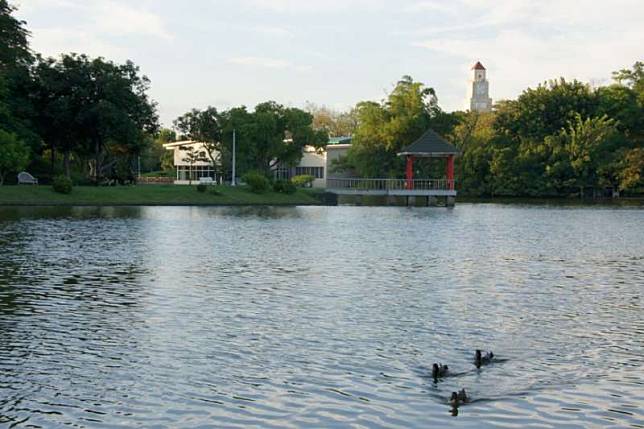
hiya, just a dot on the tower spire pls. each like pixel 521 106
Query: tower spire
pixel 480 101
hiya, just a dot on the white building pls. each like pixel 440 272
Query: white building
pixel 315 162
pixel 187 171
pixel 480 100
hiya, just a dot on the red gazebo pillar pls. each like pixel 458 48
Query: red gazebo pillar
pixel 409 174
pixel 450 172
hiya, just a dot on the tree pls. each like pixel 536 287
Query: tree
pixel 586 141
pixel 473 136
pixel 384 128
pixel 545 110
pixel 14 49
pixel 94 108
pixel 269 136
pixel 632 78
pixel 192 157
pixel 631 174
pixel 203 126
pixel 336 124
pixel 15 60
pixel 14 154
pixel 155 157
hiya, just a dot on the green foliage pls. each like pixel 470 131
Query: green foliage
pixel 284 187
pixel 161 173
pixel 303 180
pixel 336 124
pixel 632 78
pixel 14 49
pixel 192 156
pixel 14 154
pixel 270 135
pixel 631 171
pixel 154 156
pixel 203 126
pixel 93 108
pixel 545 110
pixel 384 128
pixel 556 139
pixel 16 109
pixel 257 182
pixel 62 185
pixel 202 188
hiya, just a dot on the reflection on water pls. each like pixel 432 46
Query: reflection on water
pixel 320 316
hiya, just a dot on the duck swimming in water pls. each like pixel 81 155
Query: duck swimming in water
pixel 439 370
pixel 458 398
pixel 482 359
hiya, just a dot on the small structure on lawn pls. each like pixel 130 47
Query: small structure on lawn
pixel 25 178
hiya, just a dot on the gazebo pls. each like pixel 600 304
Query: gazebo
pixel 429 145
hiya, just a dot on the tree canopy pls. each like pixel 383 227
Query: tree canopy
pixel 559 138
pixel 266 137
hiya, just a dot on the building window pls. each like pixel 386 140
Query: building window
pixel 195 172
pixel 282 173
pixel 317 172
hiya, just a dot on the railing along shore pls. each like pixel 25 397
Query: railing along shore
pixel 390 184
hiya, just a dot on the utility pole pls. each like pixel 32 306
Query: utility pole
pixel 232 182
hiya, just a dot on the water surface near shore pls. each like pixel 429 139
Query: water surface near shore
pixel 321 316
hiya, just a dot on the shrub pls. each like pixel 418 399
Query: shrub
pixel 215 191
pixel 303 181
pixel 62 184
pixel 202 188
pixel 284 186
pixel 256 181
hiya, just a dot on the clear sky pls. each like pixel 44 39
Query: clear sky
pixel 338 52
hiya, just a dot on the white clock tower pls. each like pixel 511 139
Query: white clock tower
pixel 480 101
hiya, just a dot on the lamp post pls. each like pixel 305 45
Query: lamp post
pixel 232 182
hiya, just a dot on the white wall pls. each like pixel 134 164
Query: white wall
pixel 179 155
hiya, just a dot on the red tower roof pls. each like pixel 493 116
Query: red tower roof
pixel 478 66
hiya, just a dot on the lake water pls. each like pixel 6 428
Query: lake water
pixel 326 317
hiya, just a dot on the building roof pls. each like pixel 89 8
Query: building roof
pixel 428 145
pixel 340 140
pixel 478 66
pixel 172 145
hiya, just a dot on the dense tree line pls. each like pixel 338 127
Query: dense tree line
pixel 92 119
pixel 268 136
pixel 561 138
pixel 76 115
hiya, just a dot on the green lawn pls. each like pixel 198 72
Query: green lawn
pixel 151 195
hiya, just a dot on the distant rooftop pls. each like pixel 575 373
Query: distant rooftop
pixel 340 140
pixel 478 66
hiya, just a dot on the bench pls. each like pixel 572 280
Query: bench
pixel 206 181
pixel 25 178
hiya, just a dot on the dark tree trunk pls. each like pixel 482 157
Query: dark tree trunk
pixel 97 160
pixel 53 160
pixel 66 164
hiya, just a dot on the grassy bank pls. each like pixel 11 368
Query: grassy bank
pixel 151 195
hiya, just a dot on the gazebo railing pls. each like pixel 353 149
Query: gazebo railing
pixel 390 184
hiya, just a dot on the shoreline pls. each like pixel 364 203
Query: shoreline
pixel 226 196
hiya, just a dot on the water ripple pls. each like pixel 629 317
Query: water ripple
pixel 320 317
